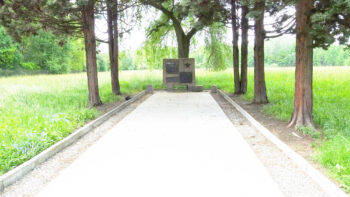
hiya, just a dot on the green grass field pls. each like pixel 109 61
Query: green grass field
pixel 38 111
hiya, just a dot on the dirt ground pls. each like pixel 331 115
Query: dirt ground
pixel 106 107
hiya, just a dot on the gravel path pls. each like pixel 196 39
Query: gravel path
pixel 37 179
pixel 173 144
pixel 292 181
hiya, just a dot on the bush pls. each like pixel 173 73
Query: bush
pixel 56 66
pixel 9 53
pixel 101 64
pixel 49 52
pixel 7 58
pixel 30 66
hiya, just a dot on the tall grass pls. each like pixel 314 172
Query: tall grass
pixel 38 111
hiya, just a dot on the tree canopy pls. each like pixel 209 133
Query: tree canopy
pixel 186 18
pixel 331 22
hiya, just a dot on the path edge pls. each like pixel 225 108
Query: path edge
pixel 328 186
pixel 17 173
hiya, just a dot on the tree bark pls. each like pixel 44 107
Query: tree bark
pixel 260 95
pixel 90 50
pixel 183 44
pixel 244 50
pixel 303 97
pixel 237 80
pixel 110 32
pixel 115 66
pixel 112 23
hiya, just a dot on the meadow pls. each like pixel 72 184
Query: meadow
pixel 38 111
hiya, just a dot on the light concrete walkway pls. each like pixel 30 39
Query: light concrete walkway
pixel 172 145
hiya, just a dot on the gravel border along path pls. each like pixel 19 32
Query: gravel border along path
pixel 37 179
pixel 292 181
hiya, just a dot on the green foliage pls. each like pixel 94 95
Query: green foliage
pixel 77 52
pixel 29 66
pixel 126 61
pixel 190 14
pixel 335 156
pixel 101 63
pixel 216 51
pixel 330 23
pixel 186 18
pixel 25 18
pixel 9 53
pixel 46 51
pixel 53 54
pixel 43 51
pixel 159 31
pixel 82 2
pixel 151 57
pixel 309 131
pixel 7 58
pixel 217 55
pixel 281 52
pixel 335 55
pixel 201 60
pixel 278 52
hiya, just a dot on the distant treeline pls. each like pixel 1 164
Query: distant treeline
pixel 278 52
pixel 48 53
pixel 42 53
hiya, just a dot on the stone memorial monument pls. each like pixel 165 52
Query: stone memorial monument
pixel 179 72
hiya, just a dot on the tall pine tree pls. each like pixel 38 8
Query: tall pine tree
pixel 23 18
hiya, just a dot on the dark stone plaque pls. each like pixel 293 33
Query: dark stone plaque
pixel 172 79
pixel 172 68
pixel 185 77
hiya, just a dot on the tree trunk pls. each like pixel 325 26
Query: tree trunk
pixel 259 71
pixel 183 46
pixel 115 65
pixel 90 50
pixel 303 101
pixel 110 33
pixel 244 50
pixel 235 48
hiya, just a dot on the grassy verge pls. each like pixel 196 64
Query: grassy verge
pixel 331 109
pixel 331 112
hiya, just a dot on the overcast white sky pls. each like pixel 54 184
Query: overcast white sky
pixel 131 41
